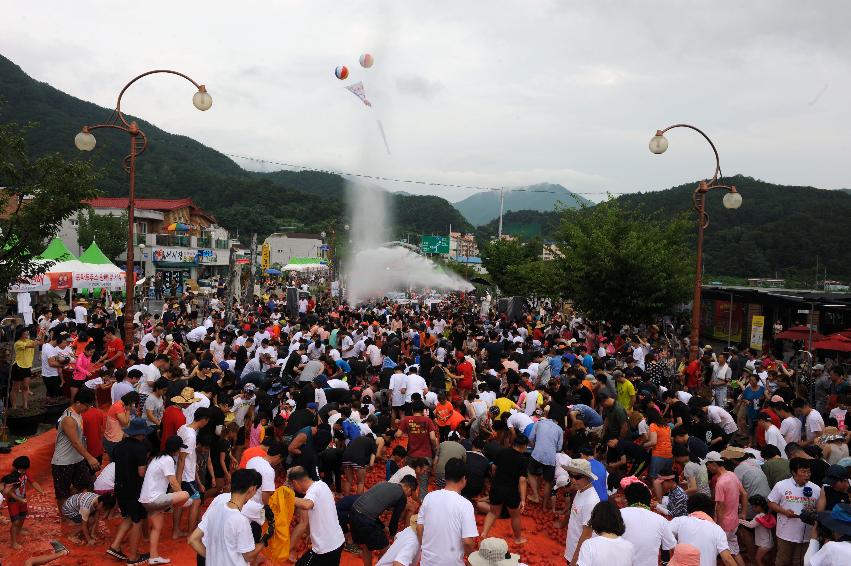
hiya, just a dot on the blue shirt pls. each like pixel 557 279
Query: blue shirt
pixel 588 362
pixel 344 365
pixel 590 417
pixel 599 470
pixel 547 438
pixel 555 366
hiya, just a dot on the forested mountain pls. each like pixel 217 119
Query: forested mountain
pixel 523 223
pixel 176 166
pixel 483 207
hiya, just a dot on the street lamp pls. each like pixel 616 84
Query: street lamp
pixel 732 200
pixel 85 141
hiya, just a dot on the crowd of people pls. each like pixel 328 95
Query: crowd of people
pixel 256 428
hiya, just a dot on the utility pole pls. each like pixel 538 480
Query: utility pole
pixel 501 204
pixel 233 277
pixel 249 288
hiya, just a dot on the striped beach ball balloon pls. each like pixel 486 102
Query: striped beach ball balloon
pixel 366 60
pixel 342 72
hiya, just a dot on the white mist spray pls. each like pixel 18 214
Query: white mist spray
pixel 374 269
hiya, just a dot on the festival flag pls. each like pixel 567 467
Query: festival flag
pixel 357 90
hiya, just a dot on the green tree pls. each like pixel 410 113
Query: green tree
pixel 622 266
pixel 505 262
pixel 36 196
pixel 109 231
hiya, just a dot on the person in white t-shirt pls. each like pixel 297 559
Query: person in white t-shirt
pixel 648 532
pixel 699 530
pixel 398 387
pixel 446 524
pixel 266 465
pixel 787 499
pixel 790 426
pixel 772 433
pixel 813 423
pixel 224 535
pixel 405 549
pixel 326 535
pixel 608 547
pixel 414 384
pixel 159 476
pixel 586 498
pixel 187 470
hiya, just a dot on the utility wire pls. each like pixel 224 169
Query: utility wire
pixel 411 181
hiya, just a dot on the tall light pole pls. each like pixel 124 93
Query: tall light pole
pixel 658 144
pixel 85 141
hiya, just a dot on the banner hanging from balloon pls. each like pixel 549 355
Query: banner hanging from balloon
pixel 357 90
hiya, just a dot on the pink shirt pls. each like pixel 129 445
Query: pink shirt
pixel 82 368
pixel 727 490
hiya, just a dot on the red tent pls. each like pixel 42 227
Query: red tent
pixel 836 342
pixel 799 333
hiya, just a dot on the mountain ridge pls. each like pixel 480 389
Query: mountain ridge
pixel 481 208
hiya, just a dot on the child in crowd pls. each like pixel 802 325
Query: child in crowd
pixel 15 491
pixel 84 509
pixel 763 524
pixel 396 461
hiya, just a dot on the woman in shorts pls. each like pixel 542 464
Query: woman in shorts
pixel 160 474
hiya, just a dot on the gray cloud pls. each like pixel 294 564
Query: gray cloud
pixel 415 85
pixel 518 91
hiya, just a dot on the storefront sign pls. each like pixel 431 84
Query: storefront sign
pixel 174 255
pixel 757 331
pixel 207 256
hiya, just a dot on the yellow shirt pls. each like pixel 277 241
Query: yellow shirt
pixel 504 404
pixel 24 353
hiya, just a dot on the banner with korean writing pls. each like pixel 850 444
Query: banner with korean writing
pixel 757 332
pixel 96 280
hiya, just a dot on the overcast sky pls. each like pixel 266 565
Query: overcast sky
pixel 495 93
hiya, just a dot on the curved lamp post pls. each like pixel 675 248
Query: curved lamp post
pixel 732 199
pixel 85 141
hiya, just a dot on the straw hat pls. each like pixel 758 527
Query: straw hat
pixel 493 552
pixel 733 453
pixel 580 467
pixel 186 396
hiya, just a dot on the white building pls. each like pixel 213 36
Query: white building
pixel 198 250
pixel 283 246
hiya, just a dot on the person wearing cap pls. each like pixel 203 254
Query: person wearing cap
pixel 493 552
pixel 731 501
pixel 836 552
pixel 187 469
pixel 834 489
pixel 787 499
pixel 131 458
pixel 834 446
pixel 160 475
pixel 584 501
pixel 405 549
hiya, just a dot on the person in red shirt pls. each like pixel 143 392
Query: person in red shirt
pixel 114 356
pixel 94 425
pixel 465 384
pixel 422 438
pixel 442 413
pixel 173 419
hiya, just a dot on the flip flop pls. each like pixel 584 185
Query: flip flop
pixel 58 547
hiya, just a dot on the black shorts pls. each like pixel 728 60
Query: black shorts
pixel 19 373
pixel 366 531
pixel 538 469
pixel 130 507
pixel 502 496
pixel 78 475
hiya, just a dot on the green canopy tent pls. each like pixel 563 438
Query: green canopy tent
pixel 57 251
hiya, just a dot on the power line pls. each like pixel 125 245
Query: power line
pixel 410 181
